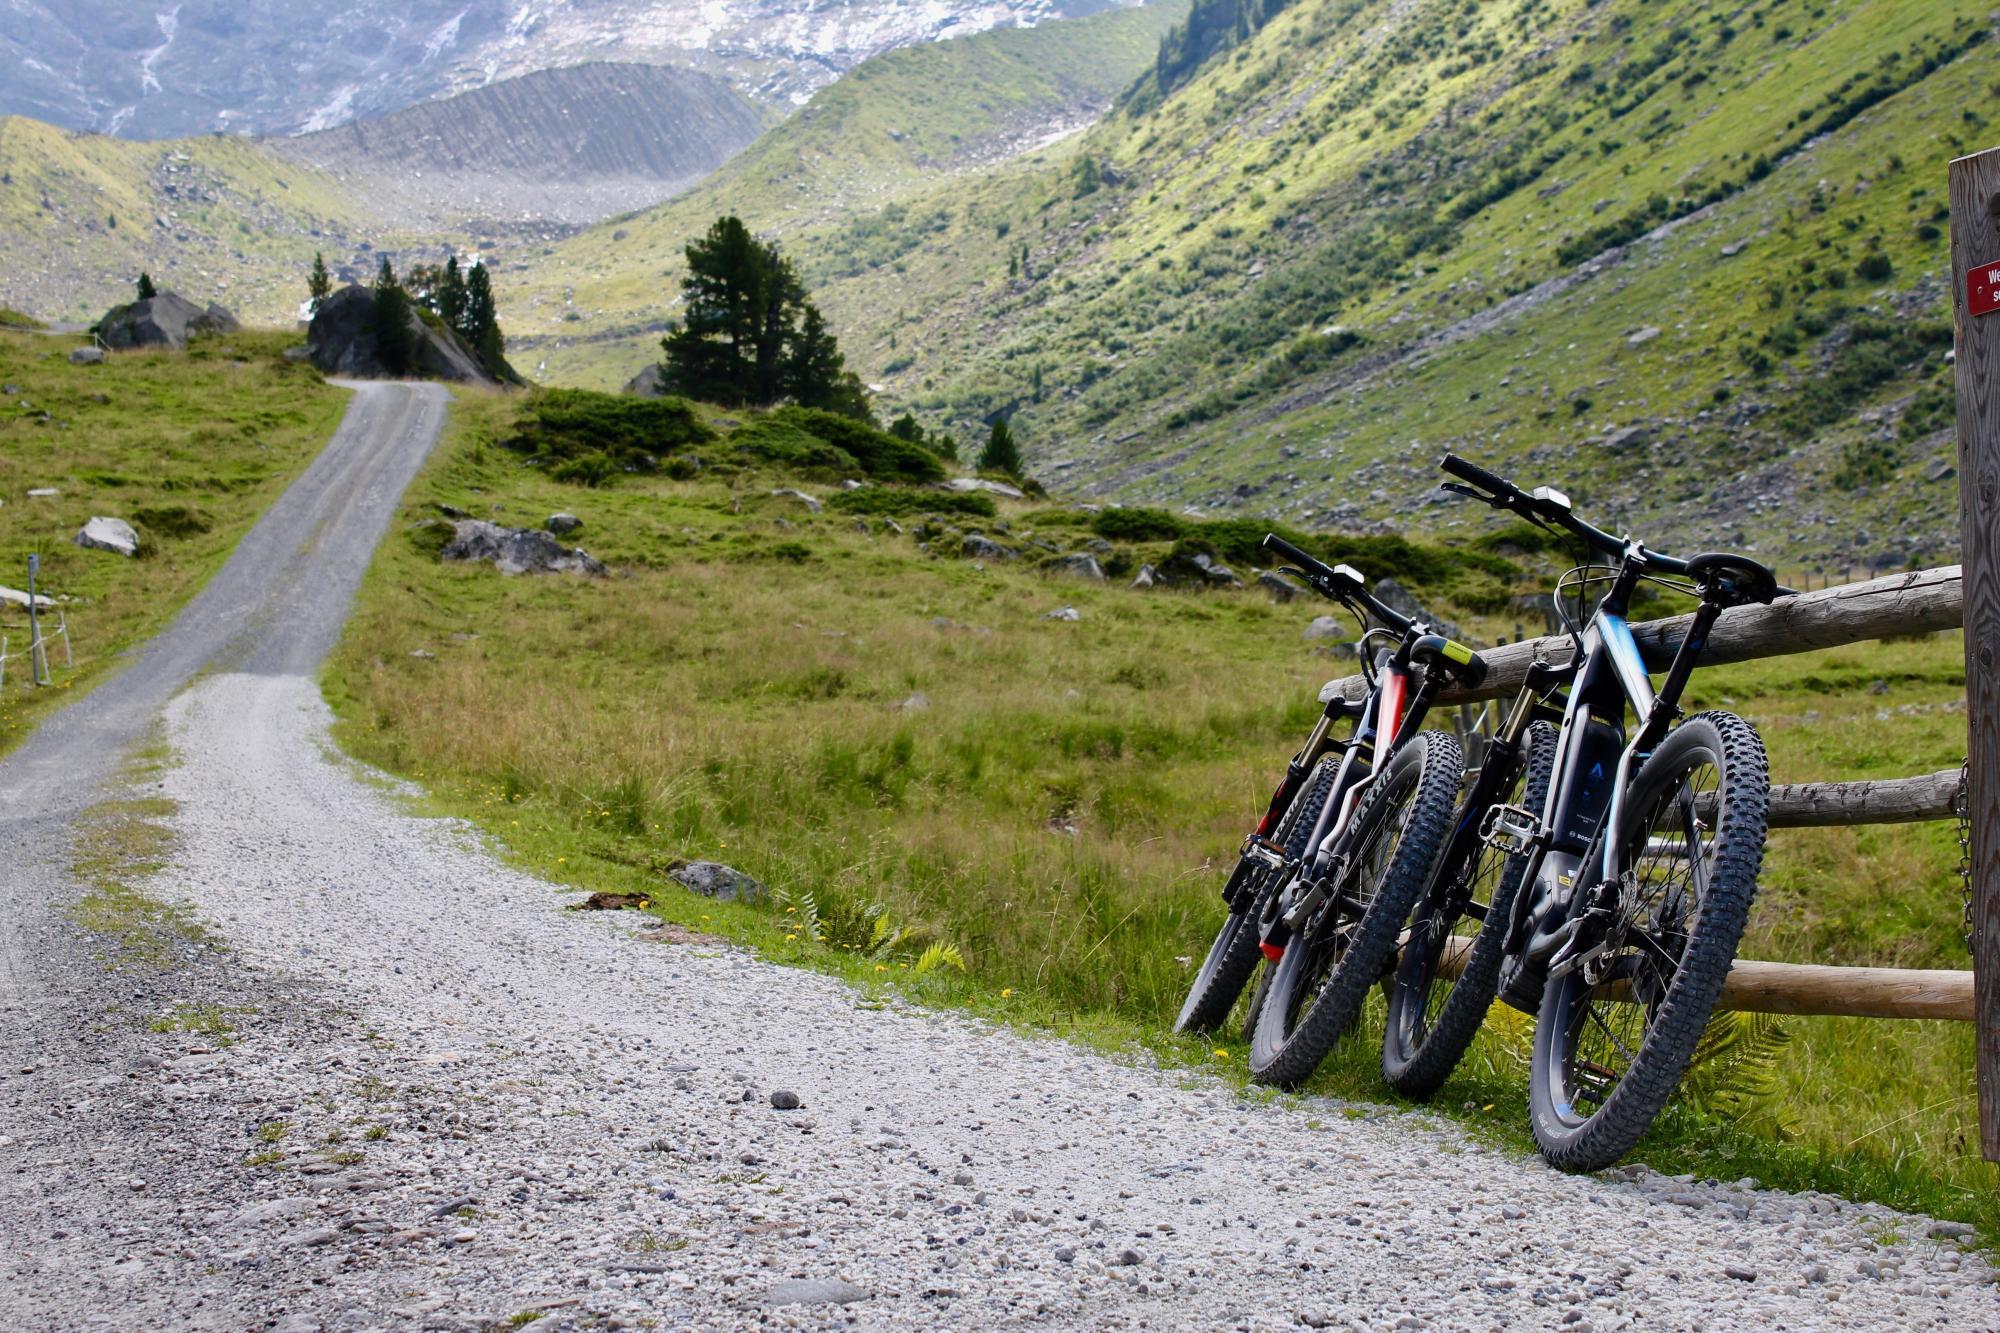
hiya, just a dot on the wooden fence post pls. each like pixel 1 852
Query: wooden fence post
pixel 1975 267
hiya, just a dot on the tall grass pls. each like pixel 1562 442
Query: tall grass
pixel 875 727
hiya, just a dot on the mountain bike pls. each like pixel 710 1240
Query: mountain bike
pixel 1605 878
pixel 1316 896
pixel 1315 804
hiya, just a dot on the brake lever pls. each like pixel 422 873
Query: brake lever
pixel 1491 501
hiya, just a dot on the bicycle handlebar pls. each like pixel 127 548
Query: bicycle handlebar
pixel 1505 494
pixel 1339 584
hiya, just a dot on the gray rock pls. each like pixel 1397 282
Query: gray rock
pixel 712 879
pixel 815 1291
pixel 1952 1231
pixel 43 493
pixel 782 1100
pixel 109 534
pixel 1939 469
pixel 1079 566
pixel 1326 627
pixel 1127 1258
pixel 1640 337
pixel 648 383
pixel 167 319
pixel 967 485
pixel 916 703
pixel 318 1236
pixel 1626 437
pixel 562 525
pixel 1281 588
pixel 1734 248
pixel 16 597
pixel 1739 1272
pixel 979 547
pixel 87 356
pixel 517 550
pixel 811 503
pixel 1222 576
pixel 342 341
pixel 1145 578
pixel 1065 1254
pixel 1064 613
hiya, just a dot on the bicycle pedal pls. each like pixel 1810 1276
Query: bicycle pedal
pixel 1264 852
pixel 1510 829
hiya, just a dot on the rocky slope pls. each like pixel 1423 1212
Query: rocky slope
pixel 568 145
pixel 1688 262
pixel 282 66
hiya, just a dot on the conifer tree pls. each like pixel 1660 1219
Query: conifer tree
pixel 319 284
pixel 1001 454
pixel 146 289
pixel 395 344
pixel 481 320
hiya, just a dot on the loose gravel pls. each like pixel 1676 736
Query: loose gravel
pixel 448 1103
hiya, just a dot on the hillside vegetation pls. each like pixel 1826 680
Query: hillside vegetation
pixel 885 730
pixel 1686 257
pixel 920 121
pixel 188 447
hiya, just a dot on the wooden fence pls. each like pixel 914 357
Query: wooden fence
pixel 1919 602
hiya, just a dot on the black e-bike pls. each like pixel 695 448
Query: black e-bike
pixel 1312 816
pixel 1597 879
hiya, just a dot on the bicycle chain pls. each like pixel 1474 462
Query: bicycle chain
pixel 1963 804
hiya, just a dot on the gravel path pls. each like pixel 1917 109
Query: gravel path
pixel 448 1103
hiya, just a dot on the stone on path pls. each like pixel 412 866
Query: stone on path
pixel 815 1291
pixel 712 879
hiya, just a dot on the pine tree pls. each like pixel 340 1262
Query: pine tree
pixel 395 344
pixel 750 335
pixel 147 291
pixel 906 427
pixel 1001 454
pixel 450 298
pixel 319 285
pixel 482 321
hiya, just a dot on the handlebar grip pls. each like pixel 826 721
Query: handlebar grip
pixel 1317 568
pixel 1478 476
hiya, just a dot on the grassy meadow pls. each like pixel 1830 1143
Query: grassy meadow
pixel 910 753
pixel 188 447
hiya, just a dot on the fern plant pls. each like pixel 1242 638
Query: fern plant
pixel 1733 1075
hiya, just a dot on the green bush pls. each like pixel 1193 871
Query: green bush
pixel 172 520
pixel 879 453
pixel 900 503
pixel 591 437
pixel 785 444
pixel 1137 525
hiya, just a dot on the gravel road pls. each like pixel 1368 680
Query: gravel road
pixel 448 1103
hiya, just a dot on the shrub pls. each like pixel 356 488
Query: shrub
pixel 591 437
pixel 172 520
pixel 1137 525
pixel 879 453
pixel 785 444
pixel 901 503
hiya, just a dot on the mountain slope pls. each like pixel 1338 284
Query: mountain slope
pixel 570 145
pixel 280 66
pixel 914 120
pixel 1671 251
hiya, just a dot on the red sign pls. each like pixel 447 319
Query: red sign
pixel 1982 289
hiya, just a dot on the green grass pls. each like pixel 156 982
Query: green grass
pixel 14 319
pixel 190 447
pixel 1063 806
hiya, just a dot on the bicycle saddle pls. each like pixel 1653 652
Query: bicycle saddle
pixel 1732 580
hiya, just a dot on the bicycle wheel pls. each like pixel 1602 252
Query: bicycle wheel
pixel 1318 987
pixel 1614 1035
pixel 1445 980
pixel 1234 955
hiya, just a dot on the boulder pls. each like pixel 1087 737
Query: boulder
pixel 1078 566
pixel 16 597
pixel 811 503
pixel 341 341
pixel 712 879
pixel 1184 567
pixel 1326 627
pixel 969 485
pixel 109 534
pixel 87 356
pixel 516 550
pixel 1399 598
pixel 977 547
pixel 648 383
pixel 1282 589
pixel 1064 613
pixel 167 319
pixel 1144 579
pixel 562 525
